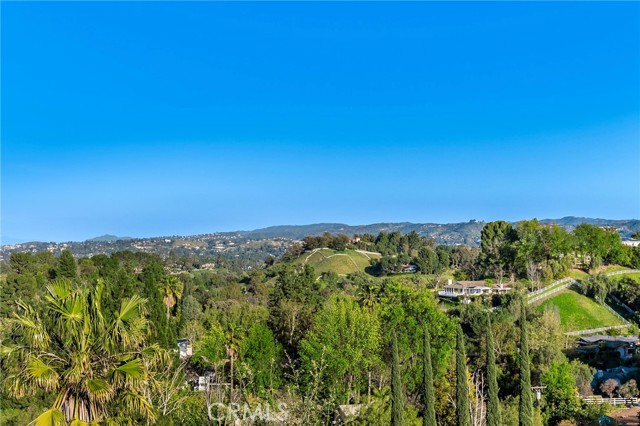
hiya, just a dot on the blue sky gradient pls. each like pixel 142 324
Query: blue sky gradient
pixel 148 119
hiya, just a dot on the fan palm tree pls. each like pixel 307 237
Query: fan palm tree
pixel 367 295
pixel 172 292
pixel 100 369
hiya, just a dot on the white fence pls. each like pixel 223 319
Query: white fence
pixel 626 271
pixel 595 330
pixel 612 401
pixel 569 282
pixel 549 287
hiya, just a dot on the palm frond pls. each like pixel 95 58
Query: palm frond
pixel 59 289
pixel 130 308
pixel 43 375
pixel 30 325
pixel 51 417
pixel 136 403
pixel 99 389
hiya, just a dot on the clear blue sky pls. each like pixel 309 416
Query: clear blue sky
pixel 150 119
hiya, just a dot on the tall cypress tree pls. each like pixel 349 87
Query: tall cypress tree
pixel 67 267
pixel 493 406
pixel 397 400
pixel 463 410
pixel 526 396
pixel 429 417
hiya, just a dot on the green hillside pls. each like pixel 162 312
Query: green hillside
pixel 341 262
pixel 579 312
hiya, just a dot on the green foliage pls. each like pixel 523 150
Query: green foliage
pixel 496 245
pixel 493 399
pixel 405 311
pixel 192 411
pixel 346 340
pixel 463 412
pixel 262 354
pixel 397 392
pixel 66 267
pixel 560 395
pixel 152 278
pixel 292 304
pixel 101 366
pixel 578 312
pixel 429 414
pixel 525 408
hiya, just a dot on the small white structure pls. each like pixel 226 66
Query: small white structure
pixel 186 348
pixel 630 242
pixel 411 268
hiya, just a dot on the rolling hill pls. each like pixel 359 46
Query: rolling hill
pixel 341 262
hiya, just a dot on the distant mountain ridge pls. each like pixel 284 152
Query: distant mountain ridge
pixel 258 243
pixel 109 238
pixel 456 233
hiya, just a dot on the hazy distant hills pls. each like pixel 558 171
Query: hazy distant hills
pixel 449 233
pixel 274 240
pixel 109 238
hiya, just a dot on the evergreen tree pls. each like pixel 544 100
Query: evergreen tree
pixel 397 399
pixel 429 418
pixel 526 396
pixel 493 402
pixel 152 275
pixel 463 410
pixel 67 267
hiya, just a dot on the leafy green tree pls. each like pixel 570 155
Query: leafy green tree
pixel 463 409
pixel 493 400
pixel 560 395
pixel 497 248
pixel 99 368
pixel 292 304
pixel 525 408
pixel 262 354
pixel 67 267
pixel 397 393
pixel 429 415
pixel 346 338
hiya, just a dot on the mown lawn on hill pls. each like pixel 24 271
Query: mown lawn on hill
pixel 579 312
pixel 341 262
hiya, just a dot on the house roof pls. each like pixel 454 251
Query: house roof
pixel 600 338
pixel 467 284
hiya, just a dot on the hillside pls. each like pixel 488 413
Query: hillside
pixel 579 312
pixel 450 233
pixel 341 262
pixel 258 244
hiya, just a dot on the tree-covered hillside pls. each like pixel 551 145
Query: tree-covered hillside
pixel 95 339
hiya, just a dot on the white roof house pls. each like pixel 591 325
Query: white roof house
pixel 472 288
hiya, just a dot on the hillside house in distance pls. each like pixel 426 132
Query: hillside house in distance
pixel 625 346
pixel 411 268
pixel 630 242
pixel 467 289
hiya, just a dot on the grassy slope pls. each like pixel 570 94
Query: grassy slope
pixel 578 312
pixel 341 262
pixel 634 276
